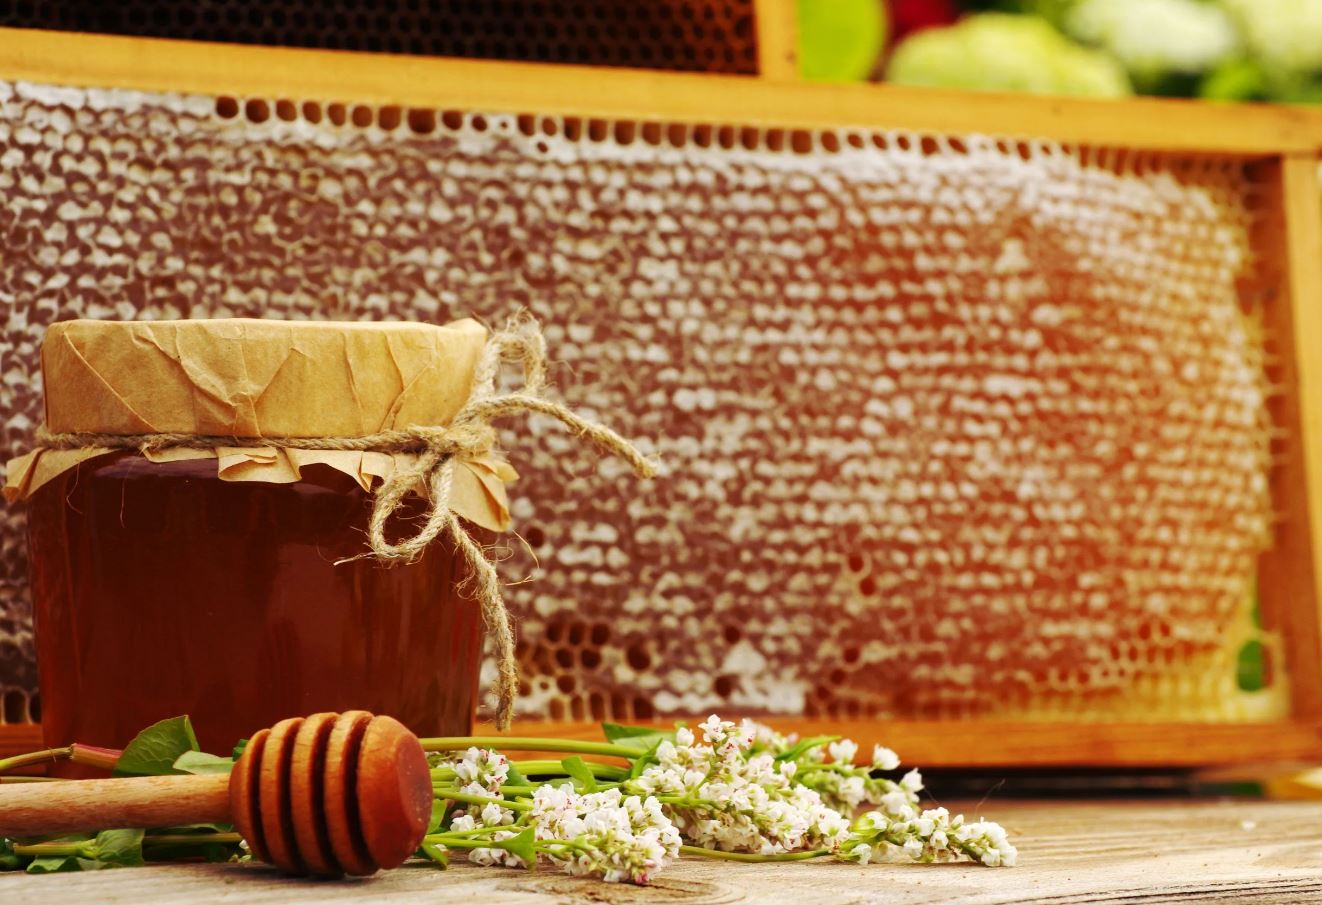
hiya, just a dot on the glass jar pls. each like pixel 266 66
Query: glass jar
pixel 161 590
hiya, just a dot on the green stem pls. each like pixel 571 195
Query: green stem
pixel 476 831
pixel 751 858
pixel 35 758
pixel 54 849
pixel 194 839
pixel 542 767
pixel 5 780
pixel 504 743
pixel 88 755
pixel 455 795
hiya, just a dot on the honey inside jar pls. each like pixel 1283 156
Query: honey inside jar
pixel 162 590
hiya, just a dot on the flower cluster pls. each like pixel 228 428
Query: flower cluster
pixel 927 836
pixel 480 771
pixel 603 834
pixel 727 789
pixel 723 795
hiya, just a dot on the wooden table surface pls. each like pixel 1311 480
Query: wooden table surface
pixel 1070 853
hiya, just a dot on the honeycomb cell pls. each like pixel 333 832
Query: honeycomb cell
pixel 694 35
pixel 951 427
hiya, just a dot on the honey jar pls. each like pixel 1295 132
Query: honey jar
pixel 232 582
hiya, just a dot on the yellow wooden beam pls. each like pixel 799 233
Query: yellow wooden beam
pixel 1003 743
pixel 777 39
pixel 153 64
pixel 1301 503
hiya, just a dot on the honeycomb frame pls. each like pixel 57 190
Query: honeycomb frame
pixel 648 136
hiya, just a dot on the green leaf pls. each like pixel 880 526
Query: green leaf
pixel 438 809
pixel 155 749
pixel 436 852
pixel 117 848
pixel 580 773
pixel 640 738
pixel 200 762
pixel 54 864
pixel 801 748
pixel 521 845
pixel 514 777
pixel 1252 672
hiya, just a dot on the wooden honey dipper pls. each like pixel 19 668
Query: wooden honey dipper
pixel 325 795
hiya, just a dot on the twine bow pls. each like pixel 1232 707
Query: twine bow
pixel 470 435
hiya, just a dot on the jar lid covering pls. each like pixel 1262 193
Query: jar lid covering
pixel 263 378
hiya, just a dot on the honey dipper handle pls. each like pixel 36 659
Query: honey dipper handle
pixel 86 805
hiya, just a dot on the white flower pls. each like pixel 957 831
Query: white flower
pixel 494 815
pixel 725 796
pixel 482 768
pixel 932 835
pixel 843 751
pixel 619 838
pixel 884 758
pixel 912 782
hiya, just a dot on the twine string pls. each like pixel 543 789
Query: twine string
pixel 470 435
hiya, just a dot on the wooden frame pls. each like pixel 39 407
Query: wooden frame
pixel 1282 143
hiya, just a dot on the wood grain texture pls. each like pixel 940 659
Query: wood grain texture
pixel 154 64
pixel 68 807
pixel 990 743
pixel 1120 853
pixel 19 739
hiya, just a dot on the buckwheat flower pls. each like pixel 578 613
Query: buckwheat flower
pixel 765 738
pixel 479 768
pixel 929 836
pixel 912 782
pixel 843 751
pixel 494 815
pixel 884 758
pixel 619 838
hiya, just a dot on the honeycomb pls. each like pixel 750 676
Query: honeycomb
pixel 951 427
pixel 692 35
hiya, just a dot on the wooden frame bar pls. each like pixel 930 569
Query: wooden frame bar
pixel 1284 143
pixel 152 64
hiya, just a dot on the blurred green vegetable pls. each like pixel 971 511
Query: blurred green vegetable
pixel 840 40
pixel 1004 52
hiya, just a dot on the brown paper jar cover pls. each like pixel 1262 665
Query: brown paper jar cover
pixel 255 378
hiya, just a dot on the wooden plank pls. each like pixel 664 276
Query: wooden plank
pixel 986 743
pixel 1289 244
pixel 1036 744
pixel 777 39
pixel 19 739
pixel 185 66
pixel 1069 852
